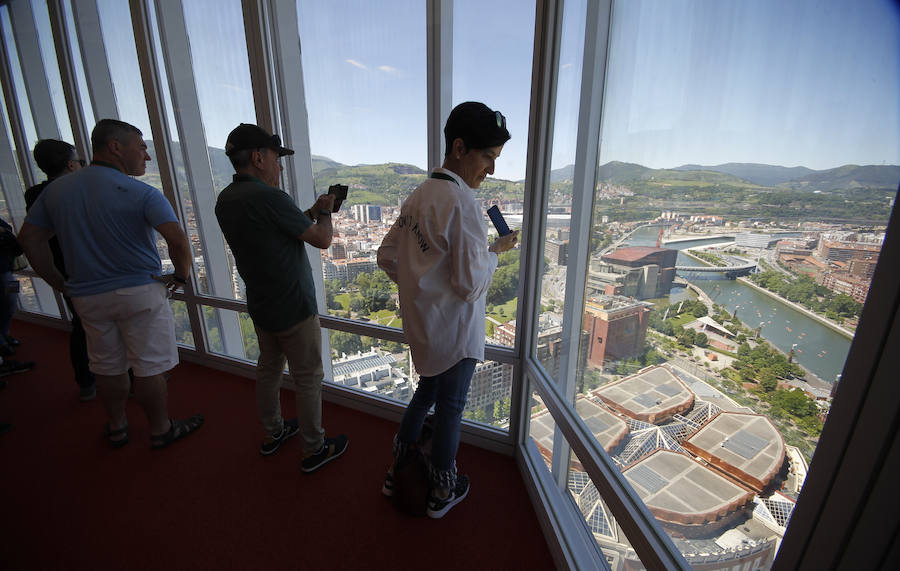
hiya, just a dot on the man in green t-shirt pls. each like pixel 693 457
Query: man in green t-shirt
pixel 267 234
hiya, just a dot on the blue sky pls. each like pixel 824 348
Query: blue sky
pixel 805 82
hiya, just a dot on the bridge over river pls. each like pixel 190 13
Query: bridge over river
pixel 731 272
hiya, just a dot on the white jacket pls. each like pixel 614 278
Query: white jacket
pixel 437 253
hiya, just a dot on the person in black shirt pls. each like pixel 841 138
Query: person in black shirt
pixel 58 158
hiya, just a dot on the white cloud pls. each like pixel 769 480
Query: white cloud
pixel 389 69
pixel 355 63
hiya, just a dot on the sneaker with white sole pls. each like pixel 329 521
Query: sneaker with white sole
pixel 388 487
pixel 438 507
pixel 331 449
pixel 274 441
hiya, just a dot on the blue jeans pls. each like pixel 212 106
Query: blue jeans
pixel 447 391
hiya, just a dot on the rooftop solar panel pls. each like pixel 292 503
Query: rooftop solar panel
pixel 595 424
pixel 669 389
pixel 645 400
pixel 645 477
pixel 745 444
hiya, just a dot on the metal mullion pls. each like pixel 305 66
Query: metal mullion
pixel 654 548
pixel 65 57
pixel 93 57
pixel 36 85
pixel 548 22
pixel 194 148
pixel 294 124
pixel 439 72
pixel 593 76
pixel 41 105
pixel 261 68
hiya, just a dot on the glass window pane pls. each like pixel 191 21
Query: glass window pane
pixel 541 428
pixel 51 69
pixel 558 205
pixel 373 366
pixel 10 176
pixel 365 83
pixel 377 366
pixel 492 47
pixel 221 325
pixel 224 94
pixel 36 296
pixel 121 53
pixel 183 334
pixel 725 290
pixel 21 98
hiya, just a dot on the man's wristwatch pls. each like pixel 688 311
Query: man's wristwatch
pixel 324 213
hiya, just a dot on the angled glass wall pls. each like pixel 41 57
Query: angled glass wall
pixel 722 283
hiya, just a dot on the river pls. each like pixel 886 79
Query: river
pixel 819 349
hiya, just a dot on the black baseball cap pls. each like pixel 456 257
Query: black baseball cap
pixel 246 136
pixel 477 125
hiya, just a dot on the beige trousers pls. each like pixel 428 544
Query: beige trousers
pixel 301 346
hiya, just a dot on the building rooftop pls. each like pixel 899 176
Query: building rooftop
pixel 681 491
pixel 607 428
pixel 748 447
pixel 632 253
pixel 651 395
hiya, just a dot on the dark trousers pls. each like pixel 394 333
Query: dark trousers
pixel 78 349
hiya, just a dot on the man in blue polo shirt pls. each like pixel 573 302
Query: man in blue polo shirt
pixel 106 222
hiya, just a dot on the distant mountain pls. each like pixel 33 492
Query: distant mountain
pixel 565 173
pixel 616 172
pixel 841 178
pixel 849 177
pixel 321 163
pixel 763 175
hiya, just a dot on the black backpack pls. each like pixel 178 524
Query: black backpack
pixel 411 482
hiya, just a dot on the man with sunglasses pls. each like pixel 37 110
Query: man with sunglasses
pixel 58 158
pixel 268 234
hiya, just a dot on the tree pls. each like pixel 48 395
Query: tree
pixel 504 285
pixel 767 380
pixel 332 288
pixel 794 402
pixel 701 340
pixel 345 343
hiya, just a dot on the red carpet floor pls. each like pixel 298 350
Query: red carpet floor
pixel 212 502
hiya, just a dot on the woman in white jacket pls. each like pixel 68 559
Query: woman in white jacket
pixel 437 254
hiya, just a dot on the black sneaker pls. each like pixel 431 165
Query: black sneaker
pixel 9 367
pixel 273 441
pixel 437 507
pixel 332 448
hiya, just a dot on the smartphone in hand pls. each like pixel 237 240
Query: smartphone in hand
pixel 339 191
pixel 498 220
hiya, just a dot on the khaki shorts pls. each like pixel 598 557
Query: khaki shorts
pixel 131 327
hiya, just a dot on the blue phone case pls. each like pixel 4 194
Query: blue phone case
pixel 497 218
